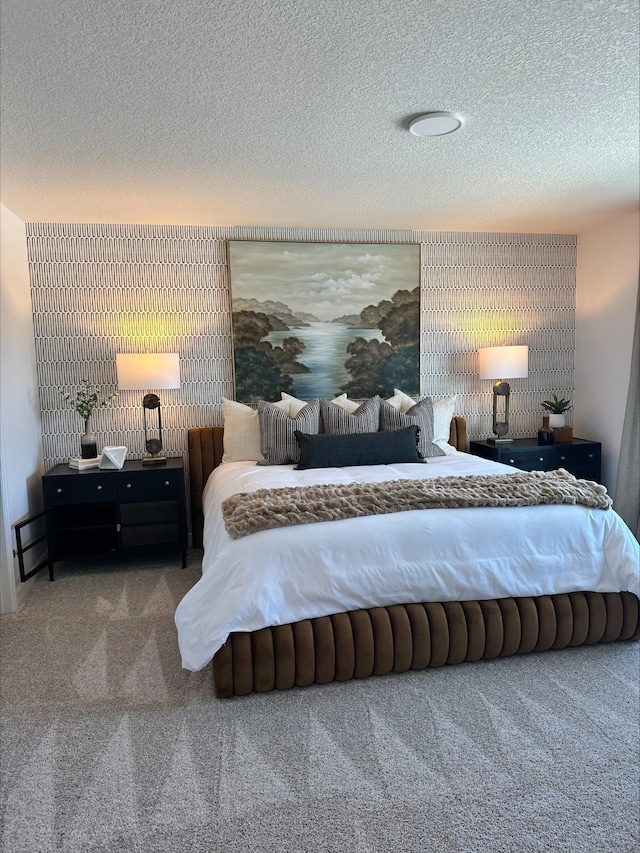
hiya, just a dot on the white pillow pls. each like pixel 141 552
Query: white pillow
pixel 241 440
pixel 443 412
pixel 401 401
pixel 295 405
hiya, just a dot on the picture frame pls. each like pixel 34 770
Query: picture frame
pixel 321 319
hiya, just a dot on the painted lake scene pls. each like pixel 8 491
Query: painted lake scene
pixel 320 319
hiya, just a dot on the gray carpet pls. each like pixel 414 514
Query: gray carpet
pixel 107 744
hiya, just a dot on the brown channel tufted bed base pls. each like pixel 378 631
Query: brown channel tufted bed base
pixel 400 637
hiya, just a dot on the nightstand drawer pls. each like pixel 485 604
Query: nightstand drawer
pixel 81 488
pixel 149 486
pixel 581 461
pixel 526 460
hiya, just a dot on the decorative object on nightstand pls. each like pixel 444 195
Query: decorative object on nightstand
pixel 556 409
pixel 562 435
pixel 80 464
pixel 545 435
pixel 502 363
pixel 113 458
pixel 139 371
pixel 85 402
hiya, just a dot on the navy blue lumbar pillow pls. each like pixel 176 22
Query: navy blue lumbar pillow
pixel 367 448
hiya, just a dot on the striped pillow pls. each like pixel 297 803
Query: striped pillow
pixel 443 411
pixel 277 431
pixel 422 415
pixel 337 421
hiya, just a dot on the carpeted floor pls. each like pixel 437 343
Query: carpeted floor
pixel 108 745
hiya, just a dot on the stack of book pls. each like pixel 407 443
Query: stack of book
pixel 83 464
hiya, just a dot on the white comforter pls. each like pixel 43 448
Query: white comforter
pixel 292 573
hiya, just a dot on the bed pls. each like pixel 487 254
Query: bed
pixel 391 629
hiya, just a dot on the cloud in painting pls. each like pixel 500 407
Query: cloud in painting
pixel 324 279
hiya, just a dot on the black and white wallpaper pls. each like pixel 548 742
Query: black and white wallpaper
pixel 102 289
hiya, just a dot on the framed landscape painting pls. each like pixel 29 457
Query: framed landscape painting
pixel 320 319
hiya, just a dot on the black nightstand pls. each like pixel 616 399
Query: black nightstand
pixel 580 457
pixel 100 511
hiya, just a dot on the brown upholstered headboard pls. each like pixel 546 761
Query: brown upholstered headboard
pixel 205 454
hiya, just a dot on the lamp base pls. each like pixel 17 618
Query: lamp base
pixel 499 441
pixel 154 460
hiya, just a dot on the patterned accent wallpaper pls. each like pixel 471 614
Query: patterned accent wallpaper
pixel 102 289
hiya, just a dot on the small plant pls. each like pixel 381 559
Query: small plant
pixel 86 400
pixel 556 406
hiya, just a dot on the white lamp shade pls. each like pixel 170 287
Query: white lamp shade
pixel 503 362
pixel 150 371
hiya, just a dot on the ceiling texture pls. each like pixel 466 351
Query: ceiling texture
pixel 295 112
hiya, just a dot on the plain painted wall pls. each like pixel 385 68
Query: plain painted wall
pixel 21 465
pixel 606 294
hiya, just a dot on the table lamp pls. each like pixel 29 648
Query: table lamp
pixel 502 363
pixel 149 370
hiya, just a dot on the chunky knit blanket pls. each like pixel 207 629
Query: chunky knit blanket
pixel 249 512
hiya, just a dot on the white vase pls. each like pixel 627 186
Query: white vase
pixel 557 420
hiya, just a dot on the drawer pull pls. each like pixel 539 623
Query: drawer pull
pixel 540 458
pixel 99 488
pixel 590 455
pixel 167 483
pixel 128 485
pixel 562 458
pixel 512 462
pixel 59 491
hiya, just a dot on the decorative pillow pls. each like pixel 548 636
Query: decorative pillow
pixel 337 421
pixel 420 414
pixel 369 448
pixel 401 401
pixel 443 412
pixel 295 404
pixel 347 404
pixel 277 431
pixel 241 440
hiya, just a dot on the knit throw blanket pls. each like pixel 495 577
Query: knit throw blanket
pixel 249 512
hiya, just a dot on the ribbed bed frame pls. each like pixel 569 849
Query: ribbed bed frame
pixel 400 637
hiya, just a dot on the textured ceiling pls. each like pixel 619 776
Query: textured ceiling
pixel 294 112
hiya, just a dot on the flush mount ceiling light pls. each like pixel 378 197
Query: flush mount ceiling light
pixel 435 124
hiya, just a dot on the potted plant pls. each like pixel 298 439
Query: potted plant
pixel 85 401
pixel 556 408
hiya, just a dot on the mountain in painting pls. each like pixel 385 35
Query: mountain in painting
pixel 347 319
pixel 280 315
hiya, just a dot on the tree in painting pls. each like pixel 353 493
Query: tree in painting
pixel 377 367
pixel 262 370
